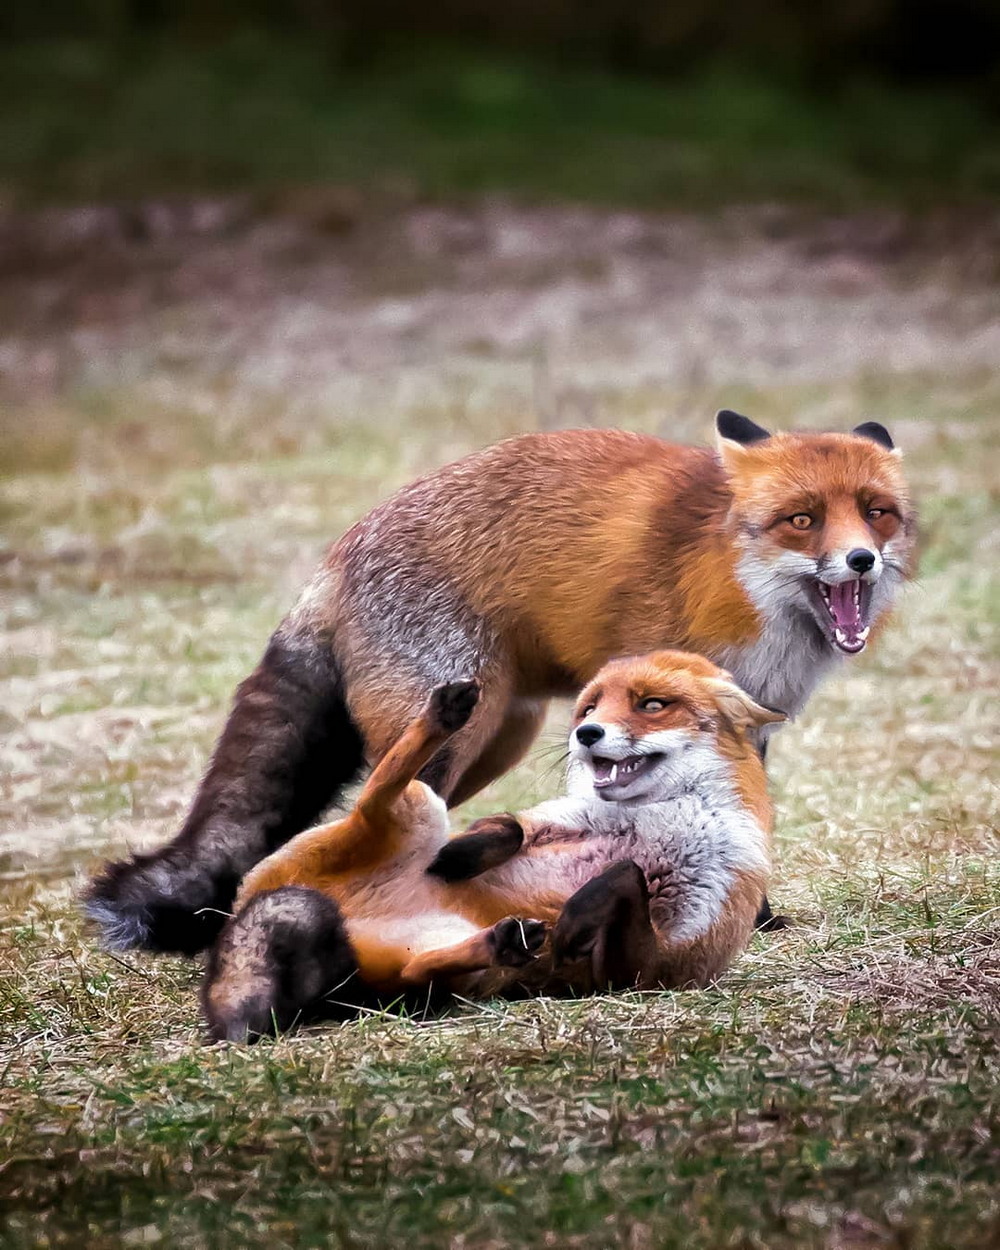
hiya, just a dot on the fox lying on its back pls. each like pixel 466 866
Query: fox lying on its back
pixel 527 566
pixel 664 833
pixel 651 868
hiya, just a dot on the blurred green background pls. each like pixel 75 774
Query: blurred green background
pixel 692 103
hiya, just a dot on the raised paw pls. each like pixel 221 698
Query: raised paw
pixel 451 706
pixel 486 844
pixel 516 942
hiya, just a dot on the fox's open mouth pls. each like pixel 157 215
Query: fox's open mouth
pixel 615 772
pixel 844 610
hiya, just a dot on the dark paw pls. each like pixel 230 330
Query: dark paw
pixel 517 942
pixel 590 913
pixel 768 922
pixel 452 705
pixel 486 844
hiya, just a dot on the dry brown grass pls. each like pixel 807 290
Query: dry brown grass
pixel 173 472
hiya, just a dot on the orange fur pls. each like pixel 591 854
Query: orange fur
pixel 528 566
pixel 577 546
pixel 373 863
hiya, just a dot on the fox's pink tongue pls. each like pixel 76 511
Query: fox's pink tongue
pixel 845 608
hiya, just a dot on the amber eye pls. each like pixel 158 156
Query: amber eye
pixel 800 521
pixel 653 705
pixel 873 514
pixel 586 711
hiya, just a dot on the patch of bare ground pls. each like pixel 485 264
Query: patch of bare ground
pixel 233 321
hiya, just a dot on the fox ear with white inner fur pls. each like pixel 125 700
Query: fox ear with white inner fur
pixel 736 433
pixel 877 433
pixel 739 709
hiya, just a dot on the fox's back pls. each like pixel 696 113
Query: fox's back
pixel 536 541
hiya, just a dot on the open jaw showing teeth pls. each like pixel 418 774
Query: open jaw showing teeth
pixel 846 605
pixel 611 772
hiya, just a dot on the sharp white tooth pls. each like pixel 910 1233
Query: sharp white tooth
pixel 840 635
pixel 863 635
pixel 613 776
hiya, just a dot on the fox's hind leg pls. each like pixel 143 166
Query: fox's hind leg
pixel 447 711
pixel 381 821
pixel 607 927
pixel 274 963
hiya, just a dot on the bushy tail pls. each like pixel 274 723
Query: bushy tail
pixel 275 963
pixel 288 748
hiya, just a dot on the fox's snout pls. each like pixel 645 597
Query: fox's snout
pixel 846 564
pixel 589 734
pixel 860 560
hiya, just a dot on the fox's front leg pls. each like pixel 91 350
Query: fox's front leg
pixel 487 843
pixel 534 881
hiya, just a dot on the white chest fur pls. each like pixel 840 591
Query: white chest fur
pixel 783 666
pixel 689 844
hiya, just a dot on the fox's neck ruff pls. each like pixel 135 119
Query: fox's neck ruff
pixel 783 665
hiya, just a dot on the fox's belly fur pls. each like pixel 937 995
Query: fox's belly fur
pixel 690 848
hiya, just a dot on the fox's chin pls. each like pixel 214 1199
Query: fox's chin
pixel 622 794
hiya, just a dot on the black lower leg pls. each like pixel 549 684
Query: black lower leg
pixel 435 772
pixel 607 923
pixel 486 844
pixel 767 921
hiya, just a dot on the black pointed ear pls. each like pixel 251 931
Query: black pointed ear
pixel 737 429
pixel 877 433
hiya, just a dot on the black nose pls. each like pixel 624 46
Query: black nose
pixel 860 560
pixel 587 735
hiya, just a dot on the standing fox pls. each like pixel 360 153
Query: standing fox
pixel 651 868
pixel 527 566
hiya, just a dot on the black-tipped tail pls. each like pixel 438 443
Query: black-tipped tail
pixel 276 964
pixel 151 902
pixel 288 747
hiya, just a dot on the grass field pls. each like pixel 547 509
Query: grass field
pixel 185 423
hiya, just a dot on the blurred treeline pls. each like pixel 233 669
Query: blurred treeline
pixel 954 41
pixel 655 102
